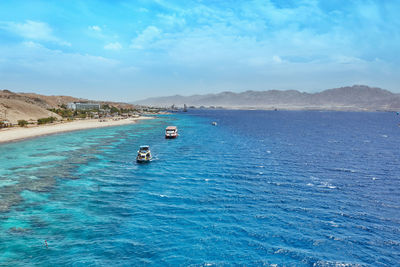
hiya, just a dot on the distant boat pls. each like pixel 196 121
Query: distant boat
pixel 144 154
pixel 171 132
pixel 214 123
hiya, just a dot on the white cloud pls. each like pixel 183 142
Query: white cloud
pixel 171 20
pixel 30 29
pixel 342 59
pixel 277 59
pixel 35 63
pixel 146 38
pixel 31 44
pixel 113 46
pixel 64 43
pixel 95 28
pixel 33 30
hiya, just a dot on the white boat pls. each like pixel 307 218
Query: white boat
pixel 171 132
pixel 214 123
pixel 144 154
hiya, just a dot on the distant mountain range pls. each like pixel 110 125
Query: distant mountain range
pixel 356 97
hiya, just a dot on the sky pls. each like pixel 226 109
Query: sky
pixel 130 50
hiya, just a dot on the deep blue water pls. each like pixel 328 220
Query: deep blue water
pixel 261 188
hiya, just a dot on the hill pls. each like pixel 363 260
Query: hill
pixel 30 106
pixel 357 97
pixel 15 110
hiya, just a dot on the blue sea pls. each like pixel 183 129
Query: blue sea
pixel 262 188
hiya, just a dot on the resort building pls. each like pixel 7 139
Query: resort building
pixel 5 123
pixel 83 106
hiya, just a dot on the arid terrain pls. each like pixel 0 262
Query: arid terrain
pixel 31 107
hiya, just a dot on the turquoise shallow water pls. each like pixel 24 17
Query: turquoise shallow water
pixel 261 188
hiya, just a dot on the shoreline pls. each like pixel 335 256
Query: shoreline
pixel 16 134
pixel 294 108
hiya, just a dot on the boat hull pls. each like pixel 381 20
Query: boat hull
pixel 143 160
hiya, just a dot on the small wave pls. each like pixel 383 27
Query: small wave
pixel 318 242
pixel 326 185
pixel 333 224
pixel 342 170
pixel 281 251
pixel 332 237
pixel 334 264
pixel 392 243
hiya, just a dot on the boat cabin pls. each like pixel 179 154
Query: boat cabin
pixel 144 148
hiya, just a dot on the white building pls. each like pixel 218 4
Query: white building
pixel 83 106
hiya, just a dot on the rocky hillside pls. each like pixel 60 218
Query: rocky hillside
pixel 30 106
pixel 42 101
pixel 14 110
pixel 357 97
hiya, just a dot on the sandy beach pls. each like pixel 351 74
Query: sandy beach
pixel 20 133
